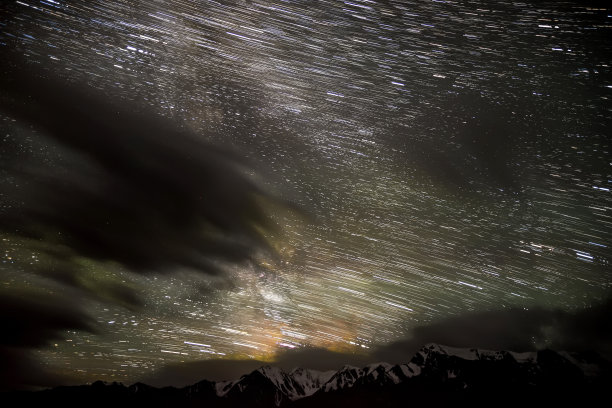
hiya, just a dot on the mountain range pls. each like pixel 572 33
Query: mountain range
pixel 436 376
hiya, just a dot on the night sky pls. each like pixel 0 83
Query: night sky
pixel 191 188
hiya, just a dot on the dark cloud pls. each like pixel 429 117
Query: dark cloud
pixel 33 320
pixel 587 329
pixel 181 374
pixel 187 373
pixel 513 329
pixel 90 181
pixel 320 359
pixel 498 330
pixel 20 370
pixel 126 187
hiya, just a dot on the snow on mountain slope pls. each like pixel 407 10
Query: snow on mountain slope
pixel 279 378
pixel 473 354
pixel 526 357
pixel 223 387
pixel 434 376
pixel 432 361
pixel 343 378
pixel 310 380
pixel 382 373
pixel 409 370
pixel 297 384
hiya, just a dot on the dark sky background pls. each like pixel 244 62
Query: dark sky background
pixel 191 189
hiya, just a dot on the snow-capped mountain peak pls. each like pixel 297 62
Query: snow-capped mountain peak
pixel 274 374
pixel 343 378
pixel 548 376
pixel 310 380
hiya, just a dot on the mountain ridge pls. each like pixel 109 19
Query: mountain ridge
pixel 436 375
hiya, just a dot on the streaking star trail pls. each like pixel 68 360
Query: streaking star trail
pixel 440 158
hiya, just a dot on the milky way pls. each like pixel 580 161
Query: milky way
pixel 442 157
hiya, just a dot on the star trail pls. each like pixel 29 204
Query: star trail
pixel 419 160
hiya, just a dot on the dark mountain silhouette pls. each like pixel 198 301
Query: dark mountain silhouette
pixel 436 376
